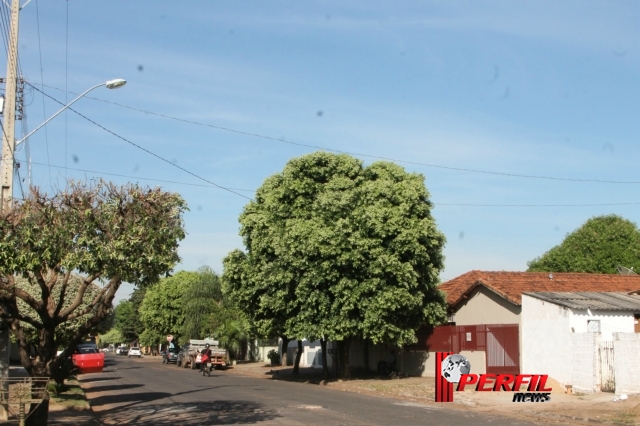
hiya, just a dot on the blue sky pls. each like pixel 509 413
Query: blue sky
pixel 531 88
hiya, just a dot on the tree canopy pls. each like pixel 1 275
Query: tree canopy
pixel 338 250
pixel 127 319
pixel 598 246
pixel 105 233
pixel 161 311
pixel 111 337
pixel 200 303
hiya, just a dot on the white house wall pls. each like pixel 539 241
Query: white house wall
pixel 311 355
pixel 545 339
pixel 626 347
pixel 582 361
pixel 610 322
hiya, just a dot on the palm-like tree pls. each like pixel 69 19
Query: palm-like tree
pixel 233 335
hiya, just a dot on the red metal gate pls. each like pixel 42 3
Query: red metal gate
pixel 500 342
pixel 503 354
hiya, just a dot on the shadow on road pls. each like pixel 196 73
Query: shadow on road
pixel 198 413
pixel 130 398
pixel 111 388
pixel 96 379
pixel 314 375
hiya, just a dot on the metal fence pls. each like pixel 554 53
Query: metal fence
pixel 16 393
pixel 606 371
pixel 501 343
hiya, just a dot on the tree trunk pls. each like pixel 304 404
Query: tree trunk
pixel 40 367
pixel 296 366
pixel 39 414
pixel 285 346
pixel 325 367
pixel 365 354
pixel 343 356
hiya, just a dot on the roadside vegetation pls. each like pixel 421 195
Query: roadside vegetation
pixel 187 305
pixel 64 256
pixel 335 251
pixel 598 247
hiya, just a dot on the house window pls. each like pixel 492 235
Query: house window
pixel 593 326
pixel 468 337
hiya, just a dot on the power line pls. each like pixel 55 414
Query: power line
pixel 139 177
pixel 141 148
pixel 66 88
pixel 44 110
pixel 536 205
pixel 251 190
pixel 211 184
pixel 437 166
pixel 5 14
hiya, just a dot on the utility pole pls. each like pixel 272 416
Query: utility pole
pixel 8 136
pixel 6 168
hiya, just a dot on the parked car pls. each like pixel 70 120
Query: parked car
pixel 122 350
pixel 87 358
pixel 134 352
pixel 170 355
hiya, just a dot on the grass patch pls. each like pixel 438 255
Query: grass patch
pixel 628 417
pixel 73 397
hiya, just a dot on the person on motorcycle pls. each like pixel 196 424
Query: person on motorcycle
pixel 205 358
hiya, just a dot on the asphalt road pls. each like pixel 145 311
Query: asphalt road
pixel 145 392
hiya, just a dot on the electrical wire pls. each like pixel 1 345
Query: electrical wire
pixel 5 15
pixel 237 189
pixel 44 109
pixel 437 166
pixel 140 147
pixel 536 205
pixel 66 88
pixel 251 190
pixel 139 177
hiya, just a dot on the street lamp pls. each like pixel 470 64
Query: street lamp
pixel 111 84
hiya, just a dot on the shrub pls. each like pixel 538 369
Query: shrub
pixel 274 357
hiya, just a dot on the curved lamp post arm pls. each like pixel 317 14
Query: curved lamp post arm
pixel 111 84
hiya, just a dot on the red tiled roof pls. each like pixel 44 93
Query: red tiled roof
pixel 511 285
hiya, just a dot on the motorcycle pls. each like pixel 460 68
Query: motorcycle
pixel 206 366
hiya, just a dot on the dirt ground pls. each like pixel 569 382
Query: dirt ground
pixel 562 409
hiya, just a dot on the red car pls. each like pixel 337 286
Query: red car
pixel 88 359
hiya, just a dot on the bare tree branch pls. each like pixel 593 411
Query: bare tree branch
pixel 78 300
pixel 90 307
pixel 25 355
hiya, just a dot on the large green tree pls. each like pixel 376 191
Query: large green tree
pixel 161 311
pixel 336 250
pixel 268 300
pixel 598 246
pixel 111 337
pixel 200 303
pixel 207 313
pixel 127 319
pixel 105 233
